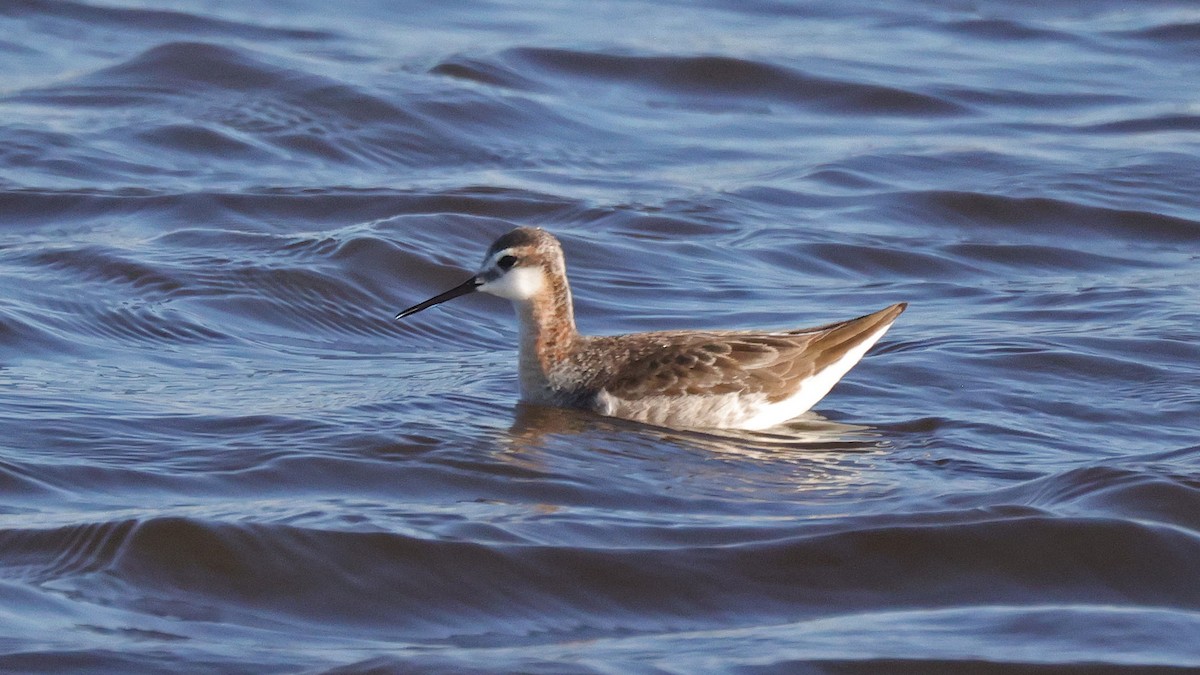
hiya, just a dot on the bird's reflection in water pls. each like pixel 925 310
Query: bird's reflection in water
pixel 809 453
pixel 808 433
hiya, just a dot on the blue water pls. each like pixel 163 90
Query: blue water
pixel 218 453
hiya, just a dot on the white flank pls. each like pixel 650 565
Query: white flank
pixel 719 411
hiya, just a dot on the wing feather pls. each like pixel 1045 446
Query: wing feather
pixel 709 363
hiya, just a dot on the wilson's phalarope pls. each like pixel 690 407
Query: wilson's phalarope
pixel 697 379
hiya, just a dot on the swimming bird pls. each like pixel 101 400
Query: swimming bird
pixel 676 378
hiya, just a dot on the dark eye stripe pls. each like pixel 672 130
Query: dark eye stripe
pixel 505 262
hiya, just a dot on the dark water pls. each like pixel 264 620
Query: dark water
pixel 219 454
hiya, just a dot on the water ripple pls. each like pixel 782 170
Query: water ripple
pixel 220 453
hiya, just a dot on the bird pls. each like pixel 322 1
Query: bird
pixel 692 379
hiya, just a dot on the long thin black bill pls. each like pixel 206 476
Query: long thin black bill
pixel 467 286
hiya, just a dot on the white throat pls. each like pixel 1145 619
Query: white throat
pixel 518 284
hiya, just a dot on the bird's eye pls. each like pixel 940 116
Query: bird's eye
pixel 506 262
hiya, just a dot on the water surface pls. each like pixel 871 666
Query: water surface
pixel 218 453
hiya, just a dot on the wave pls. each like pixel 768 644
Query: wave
pixel 1162 495
pixel 1149 125
pixel 450 589
pixel 144 19
pixel 1029 215
pixel 254 109
pixel 715 78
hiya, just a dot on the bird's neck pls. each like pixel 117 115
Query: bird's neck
pixel 548 336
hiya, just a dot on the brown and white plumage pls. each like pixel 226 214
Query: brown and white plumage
pixel 729 379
